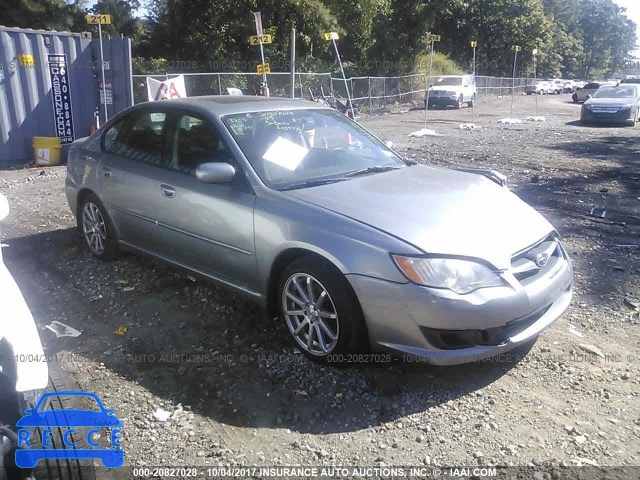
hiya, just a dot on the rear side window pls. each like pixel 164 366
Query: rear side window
pixel 141 139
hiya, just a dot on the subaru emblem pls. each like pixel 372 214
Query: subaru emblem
pixel 542 259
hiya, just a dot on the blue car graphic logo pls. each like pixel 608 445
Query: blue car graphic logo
pixel 66 421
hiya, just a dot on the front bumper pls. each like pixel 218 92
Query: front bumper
pixel 442 101
pixel 448 329
pixel 622 116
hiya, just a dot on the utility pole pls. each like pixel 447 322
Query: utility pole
pixel 431 39
pixel 333 36
pixel 474 45
pixel 293 63
pixel 516 49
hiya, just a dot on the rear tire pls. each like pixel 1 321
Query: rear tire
pixel 97 228
pixel 310 292
pixel 472 102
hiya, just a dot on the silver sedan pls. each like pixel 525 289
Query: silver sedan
pixel 305 212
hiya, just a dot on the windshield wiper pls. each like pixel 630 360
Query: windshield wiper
pixel 313 183
pixel 374 169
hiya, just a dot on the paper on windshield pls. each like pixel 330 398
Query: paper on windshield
pixel 285 153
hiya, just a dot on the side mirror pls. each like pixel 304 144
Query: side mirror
pixel 4 207
pixel 215 172
pixel 588 97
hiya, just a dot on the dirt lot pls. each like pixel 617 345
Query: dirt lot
pixel 237 393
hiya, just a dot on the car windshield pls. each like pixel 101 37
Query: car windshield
pixel 616 92
pixel 454 81
pixel 291 148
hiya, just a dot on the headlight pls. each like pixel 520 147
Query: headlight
pixel 587 107
pixel 459 276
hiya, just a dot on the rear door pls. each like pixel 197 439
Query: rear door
pixel 132 176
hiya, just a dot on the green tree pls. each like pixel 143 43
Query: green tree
pixel 42 14
pixel 123 20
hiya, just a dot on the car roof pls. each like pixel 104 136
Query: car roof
pixel 231 104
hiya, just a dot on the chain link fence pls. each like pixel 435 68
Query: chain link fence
pixel 368 94
pixel 307 85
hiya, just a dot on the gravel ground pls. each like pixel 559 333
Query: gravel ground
pixel 236 392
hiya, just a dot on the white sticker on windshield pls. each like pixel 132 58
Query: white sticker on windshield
pixel 285 153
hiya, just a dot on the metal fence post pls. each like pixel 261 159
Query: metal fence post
pixel 369 81
pixel 219 85
pixel 384 90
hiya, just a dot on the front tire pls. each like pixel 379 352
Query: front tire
pixel 55 469
pixel 320 310
pixel 460 102
pixel 97 228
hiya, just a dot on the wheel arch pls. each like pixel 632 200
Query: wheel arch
pixel 282 260
pixel 82 194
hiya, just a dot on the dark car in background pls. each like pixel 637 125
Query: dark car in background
pixel 617 104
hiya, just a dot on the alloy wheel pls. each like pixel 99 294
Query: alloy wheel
pixel 310 314
pixel 94 229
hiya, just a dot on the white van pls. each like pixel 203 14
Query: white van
pixel 454 90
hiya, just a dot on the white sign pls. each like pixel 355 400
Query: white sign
pixel 259 31
pixel 109 94
pixel 43 156
pixel 285 153
pixel 167 89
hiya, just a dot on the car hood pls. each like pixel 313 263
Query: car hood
pixel 439 211
pixel 611 101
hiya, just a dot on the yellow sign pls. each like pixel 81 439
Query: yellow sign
pixel 433 38
pixel 474 44
pixel 331 36
pixel 256 40
pixel 100 19
pixel 263 68
pixel 516 48
pixel 26 61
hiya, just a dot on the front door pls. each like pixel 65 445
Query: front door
pixel 210 225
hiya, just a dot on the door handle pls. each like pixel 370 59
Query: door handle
pixel 168 191
pixel 106 171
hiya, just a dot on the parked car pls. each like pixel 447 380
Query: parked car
pixel 583 94
pixel 302 210
pixel 452 90
pixel 568 86
pixel 613 105
pixel 539 88
pixel 631 79
pixel 556 87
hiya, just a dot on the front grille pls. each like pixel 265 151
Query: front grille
pixel 536 260
pixel 441 93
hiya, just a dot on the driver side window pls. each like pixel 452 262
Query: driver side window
pixel 196 141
